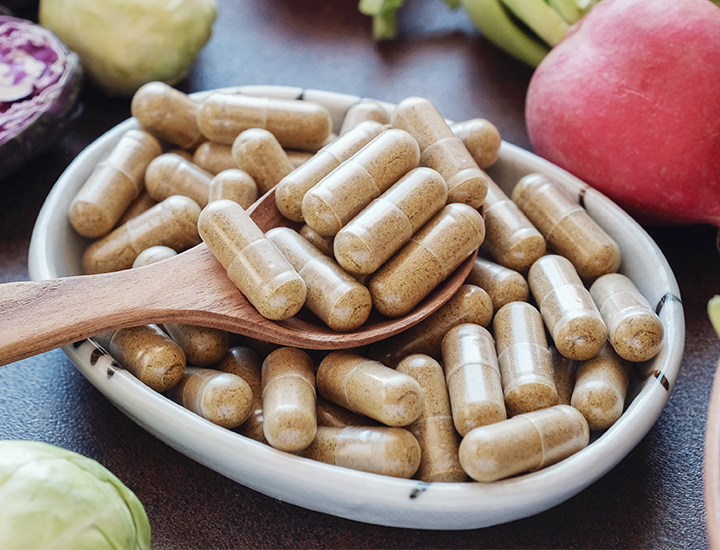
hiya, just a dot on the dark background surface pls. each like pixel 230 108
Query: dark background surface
pixel 652 499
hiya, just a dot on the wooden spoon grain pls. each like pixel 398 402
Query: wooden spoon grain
pixel 191 288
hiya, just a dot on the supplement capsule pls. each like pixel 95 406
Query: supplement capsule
pixel 168 113
pixel 473 377
pixel 172 222
pixel 113 184
pixel 345 191
pixel 147 353
pixel 297 124
pixel 288 394
pixel 502 284
pixel 321 242
pixel 153 255
pixel 634 329
pixel 564 372
pixel 333 415
pixel 511 239
pixel 142 203
pixel 258 152
pixel 524 359
pixel 434 429
pixel 600 388
pixel 171 174
pixel 291 189
pixel 298 158
pixel 340 302
pixel 203 346
pixel 441 150
pixel 214 157
pixel 470 304
pixel 566 226
pixel 568 310
pixel 481 138
pixel 369 388
pixel 369 239
pixel 362 111
pixel 379 450
pixel 432 254
pixel 220 397
pixel 246 363
pixel 235 185
pixel 252 261
pixel 524 443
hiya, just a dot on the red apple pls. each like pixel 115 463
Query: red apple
pixel 629 102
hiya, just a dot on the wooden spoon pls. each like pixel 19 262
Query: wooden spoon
pixel 191 288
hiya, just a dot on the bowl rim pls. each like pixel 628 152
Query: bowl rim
pixel 361 496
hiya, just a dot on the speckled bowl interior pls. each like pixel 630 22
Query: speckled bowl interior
pixel 56 250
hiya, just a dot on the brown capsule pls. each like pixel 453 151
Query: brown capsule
pixel 441 150
pixel 288 394
pixel 220 397
pixel 153 255
pixel 147 353
pixel 350 187
pixel 363 111
pixel 511 239
pixel 297 124
pixel 252 261
pixel 470 304
pixel 568 310
pixel 432 254
pixel 167 112
pixel 378 231
pixel 203 346
pixel 339 300
pixel 502 284
pixel 113 185
pixel 634 329
pixel 258 152
pixel 170 174
pixel 172 222
pixel 564 372
pixel 235 185
pixel 379 450
pixel 291 189
pixel 143 202
pixel 482 139
pixel 246 363
pixel 566 226
pixel 524 443
pixel 473 377
pixel 369 388
pixel 323 243
pixel 333 415
pixel 214 157
pixel 434 429
pixel 298 158
pixel 524 359
pixel 601 387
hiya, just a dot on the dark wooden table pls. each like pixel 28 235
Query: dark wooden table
pixel 652 499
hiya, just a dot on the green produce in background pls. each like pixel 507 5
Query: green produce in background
pixel 526 29
pixel 51 498
pixel 124 44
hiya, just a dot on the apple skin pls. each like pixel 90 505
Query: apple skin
pixel 629 102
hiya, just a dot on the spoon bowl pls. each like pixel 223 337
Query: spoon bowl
pixel 191 288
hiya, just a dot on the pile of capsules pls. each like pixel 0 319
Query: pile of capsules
pixel 532 352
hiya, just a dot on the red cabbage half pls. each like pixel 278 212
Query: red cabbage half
pixel 40 80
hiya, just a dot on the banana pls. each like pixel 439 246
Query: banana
pixel 384 14
pixel 541 18
pixel 714 313
pixel 569 10
pixel 490 17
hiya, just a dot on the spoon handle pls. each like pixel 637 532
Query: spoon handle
pixel 37 316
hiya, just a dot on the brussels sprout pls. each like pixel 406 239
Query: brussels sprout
pixel 53 498
pixel 40 80
pixel 124 44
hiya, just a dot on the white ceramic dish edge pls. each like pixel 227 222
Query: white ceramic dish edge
pixel 357 495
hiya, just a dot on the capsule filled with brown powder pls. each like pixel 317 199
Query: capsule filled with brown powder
pixel 482 139
pixel 258 152
pixel 503 285
pixel 235 185
pixel 203 346
pixel 171 174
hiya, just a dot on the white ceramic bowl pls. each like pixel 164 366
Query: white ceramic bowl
pixel 55 251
